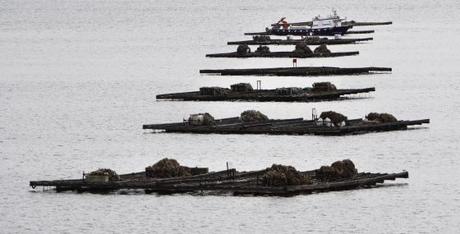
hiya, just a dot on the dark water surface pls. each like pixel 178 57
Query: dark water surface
pixel 79 78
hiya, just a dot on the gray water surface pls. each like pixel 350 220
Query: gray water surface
pixel 79 78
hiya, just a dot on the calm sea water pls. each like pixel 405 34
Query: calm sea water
pixel 79 78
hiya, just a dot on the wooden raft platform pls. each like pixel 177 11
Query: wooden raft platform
pixel 296 126
pixel 269 33
pixel 222 182
pixel 307 41
pixel 280 54
pixel 296 71
pixel 265 95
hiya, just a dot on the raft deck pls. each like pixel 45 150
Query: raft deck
pixel 320 41
pixel 297 126
pixel 266 95
pixel 280 54
pixel 221 182
pixel 296 71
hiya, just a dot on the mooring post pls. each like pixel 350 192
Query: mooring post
pixel 294 62
pixel 228 174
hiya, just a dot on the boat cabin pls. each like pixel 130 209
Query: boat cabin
pixel 327 22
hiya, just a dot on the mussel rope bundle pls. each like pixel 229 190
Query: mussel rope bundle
pixel 253 116
pixel 322 49
pixel 335 117
pixel 344 169
pixel 261 38
pixel 113 176
pixel 381 117
pixel 280 175
pixel 243 49
pixel 324 86
pixel 207 119
pixel 166 168
pixel 302 50
pixel 263 49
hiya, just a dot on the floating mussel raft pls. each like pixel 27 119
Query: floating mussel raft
pixel 254 122
pixel 297 71
pixel 244 91
pixel 301 51
pixel 167 177
pixel 266 40
pixel 287 33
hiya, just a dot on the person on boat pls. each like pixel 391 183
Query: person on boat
pixel 283 23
